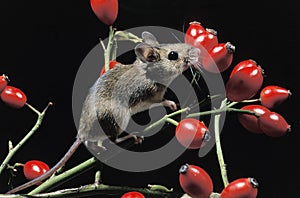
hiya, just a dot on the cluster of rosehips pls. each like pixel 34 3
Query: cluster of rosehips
pixel 265 121
pixel 245 81
pixel 197 183
pixel 194 180
pixel 216 56
pixel 10 95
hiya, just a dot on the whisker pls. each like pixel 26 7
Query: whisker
pixel 183 26
pixel 176 37
pixel 196 80
pixel 198 67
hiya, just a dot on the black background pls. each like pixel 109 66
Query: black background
pixel 43 43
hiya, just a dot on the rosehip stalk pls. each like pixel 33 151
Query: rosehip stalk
pixel 219 151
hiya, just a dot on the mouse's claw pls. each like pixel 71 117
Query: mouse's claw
pixel 138 139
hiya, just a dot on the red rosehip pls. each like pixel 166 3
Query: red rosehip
pixel 244 82
pixel 133 194
pixel 272 95
pixel 218 58
pixel 207 39
pixel 243 64
pixel 195 181
pixel 112 64
pixel 250 122
pixel 3 82
pixel 13 97
pixel 273 124
pixel 194 30
pixel 204 40
pixel 105 10
pixel 241 188
pixel 34 168
pixel 192 133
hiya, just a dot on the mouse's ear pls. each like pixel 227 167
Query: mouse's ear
pixel 149 38
pixel 146 53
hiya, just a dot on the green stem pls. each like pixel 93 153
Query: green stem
pixel 13 150
pixel 222 110
pixel 56 180
pixel 219 147
pixel 98 189
pixel 244 101
pixel 163 119
pixel 170 120
pixel 210 112
pixel 114 50
pixel 107 52
pixel 65 176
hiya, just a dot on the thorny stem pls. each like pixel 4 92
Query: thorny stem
pixel 13 150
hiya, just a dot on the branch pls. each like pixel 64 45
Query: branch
pixel 219 148
pixel 65 176
pixel 97 189
pixel 13 150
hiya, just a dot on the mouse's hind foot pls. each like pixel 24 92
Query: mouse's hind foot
pixel 137 139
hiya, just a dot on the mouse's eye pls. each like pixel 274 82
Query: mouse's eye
pixel 173 55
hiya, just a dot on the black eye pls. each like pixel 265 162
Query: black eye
pixel 173 55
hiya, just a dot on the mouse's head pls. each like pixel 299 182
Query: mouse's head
pixel 165 60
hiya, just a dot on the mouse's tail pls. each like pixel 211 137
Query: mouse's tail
pixel 50 172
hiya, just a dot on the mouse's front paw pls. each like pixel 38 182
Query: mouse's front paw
pixel 169 103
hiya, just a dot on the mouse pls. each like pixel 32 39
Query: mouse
pixel 125 90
